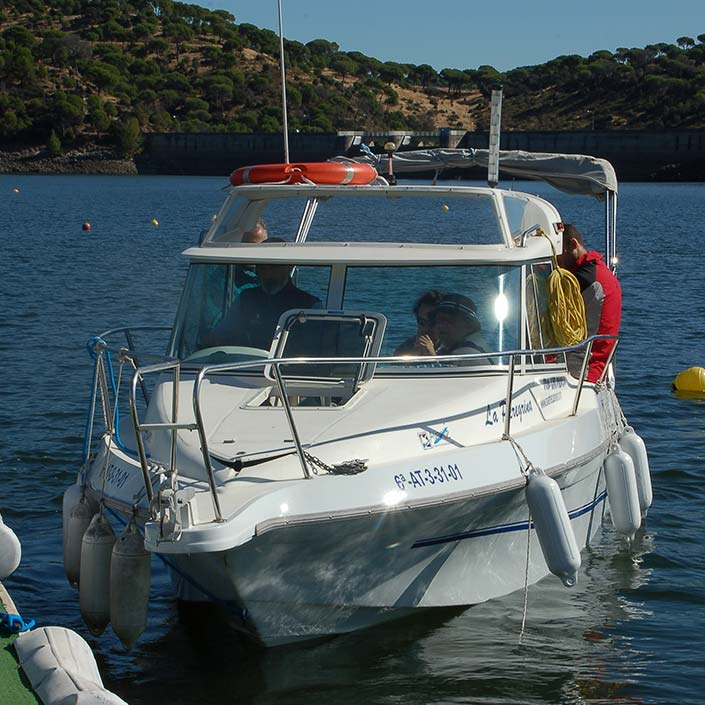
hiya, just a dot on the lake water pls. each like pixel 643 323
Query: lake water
pixel 631 631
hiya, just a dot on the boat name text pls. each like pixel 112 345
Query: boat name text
pixel 116 476
pixel 496 413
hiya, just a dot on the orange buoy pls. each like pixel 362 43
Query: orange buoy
pixel 86 226
pixel 326 173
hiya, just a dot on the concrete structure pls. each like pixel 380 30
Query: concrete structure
pixel 219 154
pixel 637 155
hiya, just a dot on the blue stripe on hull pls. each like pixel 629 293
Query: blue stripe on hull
pixel 504 528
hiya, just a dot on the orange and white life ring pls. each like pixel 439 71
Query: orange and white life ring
pixel 328 173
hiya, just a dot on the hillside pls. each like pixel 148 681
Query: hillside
pixel 81 72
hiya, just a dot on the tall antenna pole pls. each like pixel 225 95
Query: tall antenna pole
pixel 495 125
pixel 283 72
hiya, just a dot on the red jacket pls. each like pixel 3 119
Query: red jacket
pixel 603 306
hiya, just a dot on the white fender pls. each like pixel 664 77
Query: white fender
pixel 633 444
pixel 553 527
pixel 61 668
pixel 71 499
pixel 129 586
pixel 78 510
pixel 622 492
pixel 94 589
pixel 10 551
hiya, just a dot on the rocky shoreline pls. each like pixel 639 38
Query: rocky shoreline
pixel 77 161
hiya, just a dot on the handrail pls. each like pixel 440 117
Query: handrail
pixel 127 331
pixel 174 365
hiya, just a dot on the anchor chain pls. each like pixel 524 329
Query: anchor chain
pixel 349 467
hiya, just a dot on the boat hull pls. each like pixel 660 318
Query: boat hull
pixel 307 580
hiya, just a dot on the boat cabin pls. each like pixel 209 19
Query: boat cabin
pixel 343 268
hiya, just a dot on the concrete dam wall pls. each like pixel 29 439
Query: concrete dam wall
pixel 637 155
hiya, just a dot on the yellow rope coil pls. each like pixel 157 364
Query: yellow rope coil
pixel 565 304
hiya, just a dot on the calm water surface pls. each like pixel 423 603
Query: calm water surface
pixel 630 632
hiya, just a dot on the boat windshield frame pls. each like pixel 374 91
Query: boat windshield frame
pixel 245 205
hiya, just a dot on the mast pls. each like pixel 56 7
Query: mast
pixel 283 75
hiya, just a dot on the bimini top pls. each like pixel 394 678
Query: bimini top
pixel 571 173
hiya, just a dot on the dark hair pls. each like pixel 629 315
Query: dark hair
pixel 431 298
pixel 571 232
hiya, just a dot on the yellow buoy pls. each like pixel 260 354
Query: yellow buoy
pixel 691 380
pixel 155 222
pixel 214 217
pixel 444 207
pixel 15 190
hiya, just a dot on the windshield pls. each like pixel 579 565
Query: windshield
pixel 230 312
pixel 431 218
pixel 441 310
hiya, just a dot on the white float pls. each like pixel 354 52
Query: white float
pixel 622 492
pixel 633 444
pixel 553 527
pixel 94 588
pixel 129 586
pixel 78 510
pixel 10 550
pixel 61 668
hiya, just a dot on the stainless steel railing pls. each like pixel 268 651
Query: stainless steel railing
pixel 169 364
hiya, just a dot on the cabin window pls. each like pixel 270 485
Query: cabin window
pixel 228 312
pixel 492 293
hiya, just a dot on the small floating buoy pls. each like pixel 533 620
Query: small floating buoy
pixel 94 587
pixel 691 380
pixel 214 217
pixel 15 190
pixel 129 585
pixel 553 527
pixel 10 551
pixel 444 207
pixel 633 444
pixel 622 492
pixel 86 226
pixel 78 510
pixel 155 222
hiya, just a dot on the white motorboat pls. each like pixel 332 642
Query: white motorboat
pixel 289 466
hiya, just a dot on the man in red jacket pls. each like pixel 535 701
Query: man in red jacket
pixel 601 293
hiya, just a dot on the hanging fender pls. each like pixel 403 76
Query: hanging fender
pixel 553 527
pixel 94 583
pixel 622 492
pixel 633 444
